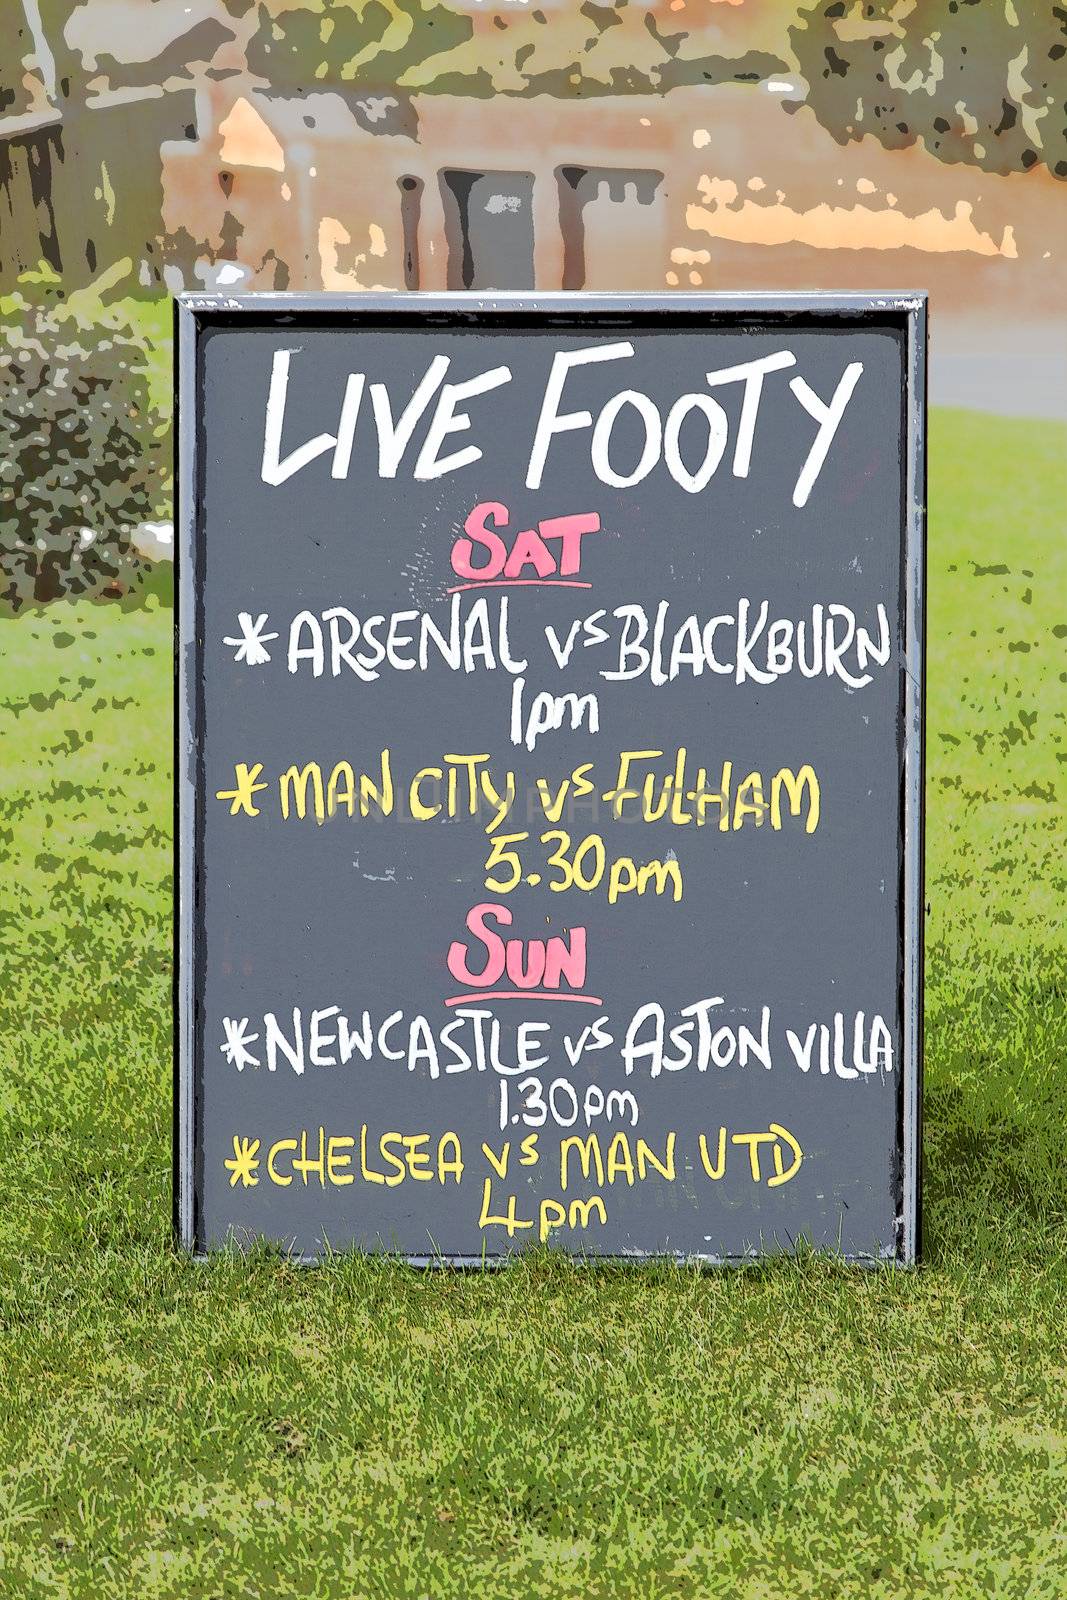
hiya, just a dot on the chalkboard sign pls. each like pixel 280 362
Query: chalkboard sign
pixel 549 765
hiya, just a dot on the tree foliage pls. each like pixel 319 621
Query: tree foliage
pixel 978 81
pixel 80 455
pixel 433 48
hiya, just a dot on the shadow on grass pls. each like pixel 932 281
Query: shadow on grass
pixel 995 1110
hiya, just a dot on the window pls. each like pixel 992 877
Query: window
pixel 410 213
pixel 615 212
pixel 489 229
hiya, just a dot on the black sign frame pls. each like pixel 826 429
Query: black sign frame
pixel 196 314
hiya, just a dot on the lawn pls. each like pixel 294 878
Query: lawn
pixel 253 1429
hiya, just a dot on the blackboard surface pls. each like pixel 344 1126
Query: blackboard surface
pixel 549 775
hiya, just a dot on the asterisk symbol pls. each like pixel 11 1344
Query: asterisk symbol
pixel 250 644
pixel 238 1039
pixel 245 779
pixel 243 1165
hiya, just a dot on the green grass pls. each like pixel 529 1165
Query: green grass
pixel 247 1430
